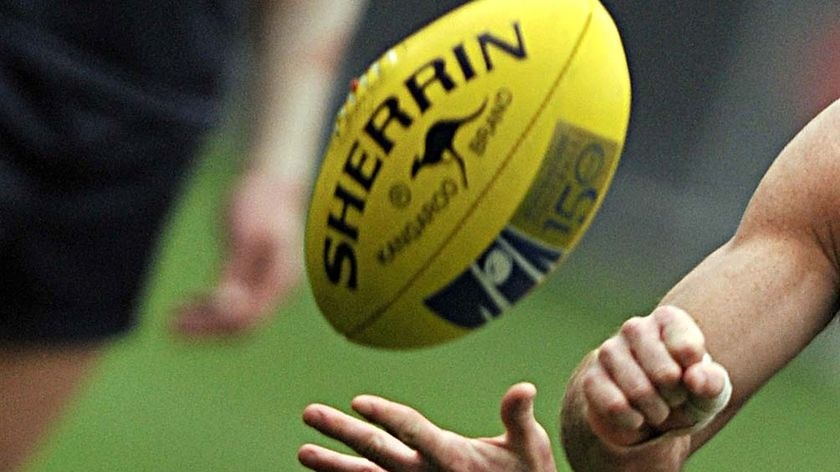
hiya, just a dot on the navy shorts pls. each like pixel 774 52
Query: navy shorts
pixel 90 162
pixel 74 249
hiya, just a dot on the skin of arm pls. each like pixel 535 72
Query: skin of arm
pixel 758 301
pixel 754 304
pixel 298 45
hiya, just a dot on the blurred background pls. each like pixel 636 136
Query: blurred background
pixel 719 88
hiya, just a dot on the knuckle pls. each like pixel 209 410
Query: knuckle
pixel 590 381
pixel 640 392
pixel 691 337
pixel 666 375
pixel 668 314
pixel 633 327
pixel 372 446
pixel 615 406
pixel 409 432
pixel 688 350
pixel 609 350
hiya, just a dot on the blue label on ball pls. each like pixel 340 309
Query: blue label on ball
pixel 512 265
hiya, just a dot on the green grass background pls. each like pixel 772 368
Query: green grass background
pixel 160 404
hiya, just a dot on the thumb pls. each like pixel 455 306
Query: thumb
pixel 518 413
pixel 710 391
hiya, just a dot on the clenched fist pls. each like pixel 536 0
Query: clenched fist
pixel 653 377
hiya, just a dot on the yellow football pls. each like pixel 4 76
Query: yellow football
pixel 465 164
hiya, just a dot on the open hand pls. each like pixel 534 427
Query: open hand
pixel 411 443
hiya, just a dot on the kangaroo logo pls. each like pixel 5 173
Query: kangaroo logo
pixel 441 139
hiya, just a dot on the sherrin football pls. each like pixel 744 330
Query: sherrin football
pixel 465 164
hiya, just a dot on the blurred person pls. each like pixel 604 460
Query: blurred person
pixel 650 395
pixel 103 108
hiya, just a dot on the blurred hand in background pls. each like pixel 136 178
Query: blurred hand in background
pixel 298 49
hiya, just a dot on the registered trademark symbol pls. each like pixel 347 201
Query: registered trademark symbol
pixel 400 195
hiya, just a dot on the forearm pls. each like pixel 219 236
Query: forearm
pixel 299 45
pixel 752 305
pixel 756 310
pixel 759 302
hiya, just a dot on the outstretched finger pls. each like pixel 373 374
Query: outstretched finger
pixel 371 442
pixel 518 413
pixel 524 434
pixel 321 459
pixel 407 424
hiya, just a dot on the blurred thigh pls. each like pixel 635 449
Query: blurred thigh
pixel 36 383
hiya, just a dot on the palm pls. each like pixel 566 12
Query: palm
pixel 414 444
pixel 500 454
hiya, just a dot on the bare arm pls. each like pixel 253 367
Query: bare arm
pixel 758 300
pixel 298 45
